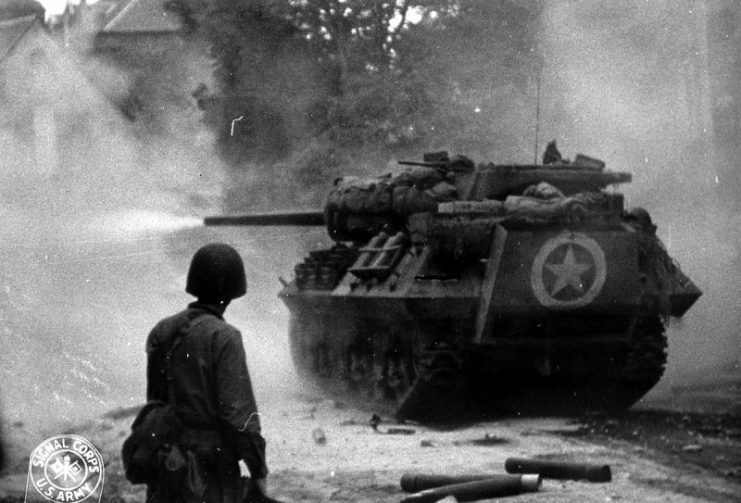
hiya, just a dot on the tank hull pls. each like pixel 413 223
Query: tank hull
pixel 375 355
pixel 497 289
pixel 548 319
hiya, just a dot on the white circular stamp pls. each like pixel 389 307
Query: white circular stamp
pixel 66 468
pixel 568 271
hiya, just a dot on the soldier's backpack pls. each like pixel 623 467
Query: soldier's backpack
pixel 150 453
pixel 154 433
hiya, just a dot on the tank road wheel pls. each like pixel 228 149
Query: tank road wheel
pixel 312 355
pixel 439 390
pixel 358 367
pixel 397 375
pixel 378 369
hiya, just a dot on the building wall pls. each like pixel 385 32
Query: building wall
pixel 50 113
pixel 162 71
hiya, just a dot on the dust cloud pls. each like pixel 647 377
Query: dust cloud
pixel 100 219
pixel 628 81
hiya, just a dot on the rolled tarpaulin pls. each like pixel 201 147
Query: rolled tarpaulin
pixel 559 470
pixel 491 487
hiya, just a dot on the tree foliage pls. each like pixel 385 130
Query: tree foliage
pixel 315 82
pixel 351 37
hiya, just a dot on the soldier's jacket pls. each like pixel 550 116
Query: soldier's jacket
pixel 213 394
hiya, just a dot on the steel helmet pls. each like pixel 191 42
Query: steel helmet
pixel 216 273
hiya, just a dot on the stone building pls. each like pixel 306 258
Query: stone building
pixel 147 43
pixel 50 113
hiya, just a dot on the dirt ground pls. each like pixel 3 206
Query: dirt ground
pixel 322 450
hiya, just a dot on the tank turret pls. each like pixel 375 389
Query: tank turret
pixel 451 282
pixel 358 208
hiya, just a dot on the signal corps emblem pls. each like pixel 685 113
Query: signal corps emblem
pixel 64 468
pixel 569 270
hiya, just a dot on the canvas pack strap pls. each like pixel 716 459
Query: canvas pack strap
pixel 173 343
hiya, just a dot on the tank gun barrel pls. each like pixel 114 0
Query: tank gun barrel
pixel 310 218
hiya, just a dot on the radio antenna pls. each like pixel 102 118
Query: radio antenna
pixel 537 115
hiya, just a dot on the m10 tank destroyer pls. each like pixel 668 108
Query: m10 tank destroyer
pixel 517 288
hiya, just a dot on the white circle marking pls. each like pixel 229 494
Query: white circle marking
pixel 568 273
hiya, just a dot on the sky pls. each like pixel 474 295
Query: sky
pixel 54 7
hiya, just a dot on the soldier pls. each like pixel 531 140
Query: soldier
pixel 209 386
pixel 552 155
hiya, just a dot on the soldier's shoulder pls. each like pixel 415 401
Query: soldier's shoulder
pixel 216 325
pixel 229 331
pixel 164 328
pixel 169 322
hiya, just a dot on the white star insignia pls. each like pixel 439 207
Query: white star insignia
pixel 568 273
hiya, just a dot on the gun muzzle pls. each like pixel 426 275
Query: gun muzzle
pixel 559 470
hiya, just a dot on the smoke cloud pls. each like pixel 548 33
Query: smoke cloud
pixel 628 81
pixel 98 226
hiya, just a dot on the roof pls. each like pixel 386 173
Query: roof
pixel 11 33
pixel 12 9
pixel 143 16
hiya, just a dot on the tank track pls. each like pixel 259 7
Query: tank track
pixel 372 369
pixel 439 388
pixel 612 383
pixel 380 370
pixel 646 360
